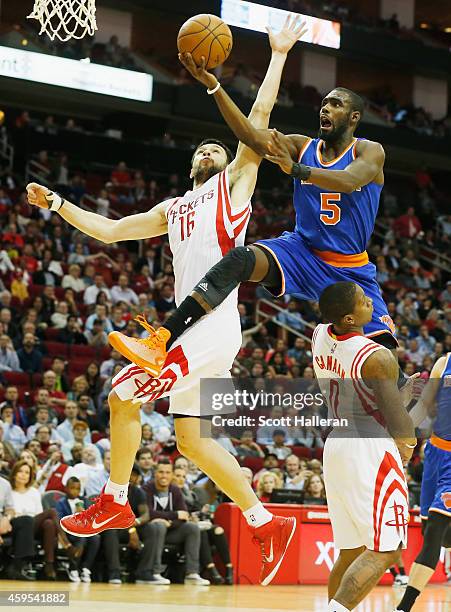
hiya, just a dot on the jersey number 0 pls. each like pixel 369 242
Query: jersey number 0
pixel 330 211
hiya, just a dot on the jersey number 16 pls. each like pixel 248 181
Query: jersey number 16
pixel 186 225
pixel 330 211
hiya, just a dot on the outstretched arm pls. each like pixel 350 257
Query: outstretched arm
pixel 134 227
pixel 244 168
pixel 426 405
pixel 367 166
pixel 245 129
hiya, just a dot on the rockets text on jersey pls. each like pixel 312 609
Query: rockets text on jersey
pixel 202 228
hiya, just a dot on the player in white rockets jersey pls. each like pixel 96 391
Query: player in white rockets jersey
pixel 203 225
pixel 366 489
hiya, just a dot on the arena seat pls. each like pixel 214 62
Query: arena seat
pixel 17 378
pixel 302 452
pixel 57 348
pixel 83 351
pixel 253 463
pixel 52 333
pixel 318 453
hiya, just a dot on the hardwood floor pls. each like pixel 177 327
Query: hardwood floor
pixel 178 598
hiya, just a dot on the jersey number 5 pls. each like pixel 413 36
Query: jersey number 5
pixel 330 212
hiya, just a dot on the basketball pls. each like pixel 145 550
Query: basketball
pixel 206 36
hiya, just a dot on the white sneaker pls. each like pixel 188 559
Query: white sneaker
pixel 196 579
pixel 74 576
pixel 155 579
pixel 401 580
pixel 85 574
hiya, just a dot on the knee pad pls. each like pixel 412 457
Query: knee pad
pixel 237 265
pixel 234 268
pixel 436 527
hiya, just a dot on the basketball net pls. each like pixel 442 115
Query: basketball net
pixel 65 19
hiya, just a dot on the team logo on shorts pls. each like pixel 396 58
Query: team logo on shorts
pixel 400 519
pixel 446 499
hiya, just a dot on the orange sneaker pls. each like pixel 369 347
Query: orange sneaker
pixel 148 353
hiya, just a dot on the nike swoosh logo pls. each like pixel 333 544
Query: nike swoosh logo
pixel 270 557
pixel 97 525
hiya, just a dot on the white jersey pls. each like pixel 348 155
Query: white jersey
pixel 202 228
pixel 338 362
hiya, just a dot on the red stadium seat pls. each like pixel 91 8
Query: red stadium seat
pixel 303 452
pixel 17 378
pixel 51 333
pixel 57 348
pixel 318 453
pixel 79 351
pixel 105 353
pixel 77 366
pixel 254 463
pixel 96 436
pixel 37 378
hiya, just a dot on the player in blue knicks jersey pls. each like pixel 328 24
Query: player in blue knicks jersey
pixel 338 179
pixel 435 502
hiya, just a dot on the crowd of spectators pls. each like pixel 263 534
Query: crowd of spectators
pixel 61 293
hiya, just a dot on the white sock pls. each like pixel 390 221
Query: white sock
pixel 257 515
pixel 334 606
pixel 119 491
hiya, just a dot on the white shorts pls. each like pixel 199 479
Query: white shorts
pixel 206 350
pixel 367 493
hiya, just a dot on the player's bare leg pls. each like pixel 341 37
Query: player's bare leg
pixel 345 558
pixel 241 264
pixel 361 577
pixel 112 510
pixel 273 534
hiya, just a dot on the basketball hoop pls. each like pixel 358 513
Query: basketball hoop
pixel 65 19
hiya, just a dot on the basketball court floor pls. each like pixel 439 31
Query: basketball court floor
pixel 179 598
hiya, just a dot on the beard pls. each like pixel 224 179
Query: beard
pixel 333 135
pixel 204 172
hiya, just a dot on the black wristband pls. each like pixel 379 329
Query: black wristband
pixel 300 171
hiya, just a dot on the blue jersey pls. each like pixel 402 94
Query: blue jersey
pixel 442 425
pixel 329 221
pixel 436 482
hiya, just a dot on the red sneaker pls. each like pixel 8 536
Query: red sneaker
pixel 273 538
pixel 103 514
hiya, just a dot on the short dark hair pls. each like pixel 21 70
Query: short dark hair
pixel 142 451
pixel 164 461
pixel 337 300
pixel 73 480
pixel 357 102
pixel 228 152
pixel 278 432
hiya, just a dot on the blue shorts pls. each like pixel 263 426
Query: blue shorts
pixel 436 483
pixel 306 275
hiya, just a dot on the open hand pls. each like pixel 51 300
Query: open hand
pixel 412 389
pixel 293 30
pixel 279 153
pixel 198 72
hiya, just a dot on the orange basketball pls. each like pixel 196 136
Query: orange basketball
pixel 208 36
